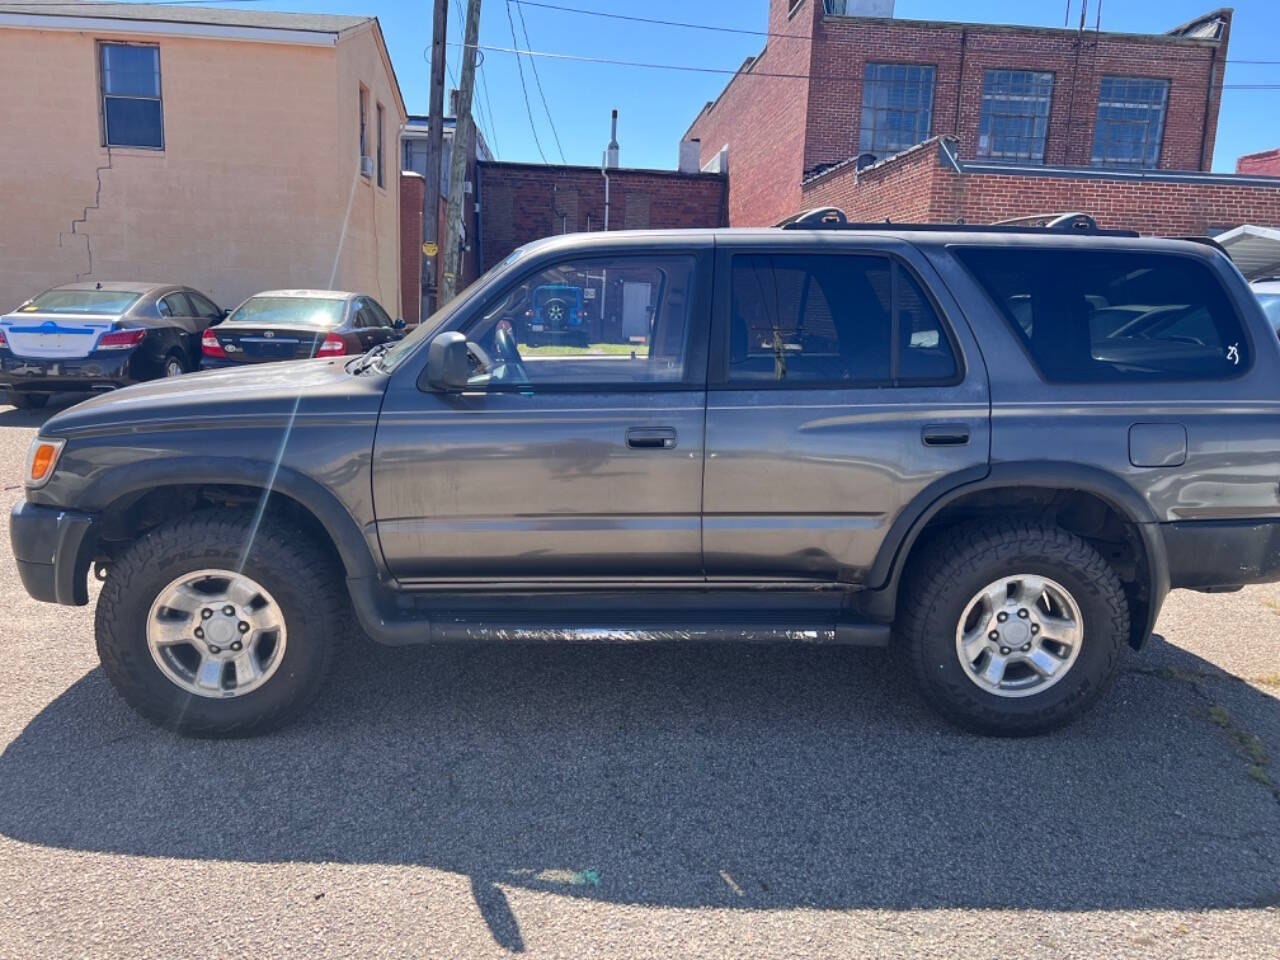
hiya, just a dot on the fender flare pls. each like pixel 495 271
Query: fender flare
pixel 359 552
pixel 886 570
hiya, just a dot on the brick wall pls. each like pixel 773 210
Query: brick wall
pixel 775 126
pixel 920 187
pixel 412 188
pixel 761 117
pixel 523 202
pixel 1264 164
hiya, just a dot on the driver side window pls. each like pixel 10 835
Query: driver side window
pixel 609 321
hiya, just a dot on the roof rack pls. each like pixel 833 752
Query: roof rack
pixel 833 218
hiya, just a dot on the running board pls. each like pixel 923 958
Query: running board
pixel 474 631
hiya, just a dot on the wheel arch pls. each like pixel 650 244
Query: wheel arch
pixel 121 489
pixel 1043 479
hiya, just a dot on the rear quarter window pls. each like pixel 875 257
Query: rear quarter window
pixel 1113 317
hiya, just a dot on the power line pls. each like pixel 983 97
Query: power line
pixel 493 124
pixel 537 79
pixel 725 71
pixel 742 31
pixel 480 118
pixel 533 127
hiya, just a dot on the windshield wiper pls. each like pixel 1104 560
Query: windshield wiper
pixel 370 358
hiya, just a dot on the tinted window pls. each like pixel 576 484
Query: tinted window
pixel 176 305
pixel 380 317
pixel 832 320
pixel 204 307
pixel 1114 317
pixel 610 321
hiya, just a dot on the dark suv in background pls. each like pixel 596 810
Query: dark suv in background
pixel 999 448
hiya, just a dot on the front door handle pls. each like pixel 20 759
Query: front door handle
pixel 944 434
pixel 651 438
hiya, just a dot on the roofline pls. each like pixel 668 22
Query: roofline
pixel 948 155
pixel 1170 37
pixel 588 168
pixel 172 28
pixel 380 41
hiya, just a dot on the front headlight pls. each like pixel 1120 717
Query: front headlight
pixel 42 459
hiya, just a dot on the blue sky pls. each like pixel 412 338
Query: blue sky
pixel 655 107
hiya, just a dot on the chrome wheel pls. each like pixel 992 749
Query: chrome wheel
pixel 1019 636
pixel 216 633
pixel 554 312
pixel 173 367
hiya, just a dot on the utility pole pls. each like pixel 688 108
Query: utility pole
pixel 435 141
pixel 458 157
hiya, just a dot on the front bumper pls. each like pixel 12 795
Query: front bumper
pixel 49 545
pixel 102 370
pixel 1222 554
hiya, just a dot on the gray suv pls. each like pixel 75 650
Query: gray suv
pixel 995 448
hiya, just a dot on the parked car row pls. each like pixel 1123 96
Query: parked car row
pixel 97 336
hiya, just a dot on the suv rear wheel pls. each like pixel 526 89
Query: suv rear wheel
pixel 212 628
pixel 1013 628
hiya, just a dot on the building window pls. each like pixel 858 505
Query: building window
pixel 897 107
pixel 381 164
pixel 1015 115
pixel 131 110
pixel 1130 121
pixel 364 129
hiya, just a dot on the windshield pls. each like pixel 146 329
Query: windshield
pixel 403 349
pixel 313 311
pixel 1271 307
pixel 81 301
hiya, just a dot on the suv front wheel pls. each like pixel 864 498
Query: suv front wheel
pixel 1012 628
pixel 214 627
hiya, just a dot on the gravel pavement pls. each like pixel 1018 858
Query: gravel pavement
pixel 642 802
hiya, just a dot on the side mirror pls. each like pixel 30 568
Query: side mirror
pixel 448 366
pixel 399 324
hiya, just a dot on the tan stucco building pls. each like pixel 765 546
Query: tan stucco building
pixel 211 147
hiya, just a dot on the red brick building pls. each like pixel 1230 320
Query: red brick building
pixel 1263 164
pixel 520 202
pixel 844 109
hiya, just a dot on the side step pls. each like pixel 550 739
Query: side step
pixel 455 630
pixel 815 617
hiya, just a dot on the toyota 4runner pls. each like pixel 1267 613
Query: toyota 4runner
pixel 996 448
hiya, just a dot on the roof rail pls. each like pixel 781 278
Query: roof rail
pixel 829 218
pixel 818 216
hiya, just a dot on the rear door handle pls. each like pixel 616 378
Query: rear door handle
pixel 651 438
pixel 944 434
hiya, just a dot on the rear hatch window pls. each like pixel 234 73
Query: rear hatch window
pixel 1113 317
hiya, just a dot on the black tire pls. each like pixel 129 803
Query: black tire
pixel 27 401
pixel 303 579
pixel 959 564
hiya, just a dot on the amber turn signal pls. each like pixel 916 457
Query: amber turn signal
pixel 41 460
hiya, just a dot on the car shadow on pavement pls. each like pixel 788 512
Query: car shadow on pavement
pixel 758 777
pixel 13 417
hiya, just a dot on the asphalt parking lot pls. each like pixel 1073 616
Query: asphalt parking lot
pixel 629 801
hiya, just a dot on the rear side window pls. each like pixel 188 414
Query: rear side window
pixel 1114 317
pixel 832 319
